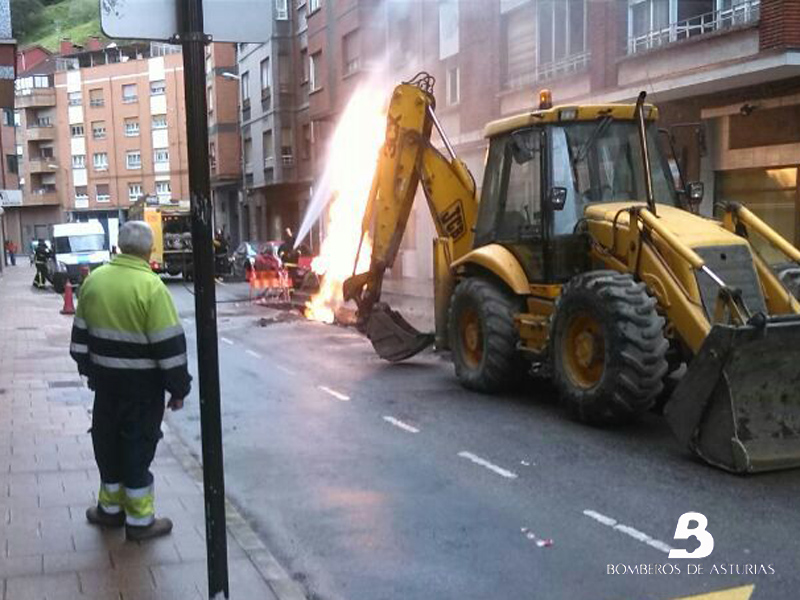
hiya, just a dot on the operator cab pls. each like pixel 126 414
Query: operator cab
pixel 544 167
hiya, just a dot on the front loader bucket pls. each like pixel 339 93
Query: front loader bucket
pixel 738 405
pixel 394 338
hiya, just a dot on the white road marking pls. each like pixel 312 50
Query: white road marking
pixel 285 370
pixel 400 424
pixel 485 463
pixel 334 393
pixel 628 530
pixel 219 281
pixel 227 341
pixel 253 353
pixel 187 320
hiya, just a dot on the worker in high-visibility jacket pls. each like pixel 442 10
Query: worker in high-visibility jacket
pixel 129 343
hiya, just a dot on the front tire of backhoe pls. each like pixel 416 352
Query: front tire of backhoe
pixel 608 348
pixel 483 336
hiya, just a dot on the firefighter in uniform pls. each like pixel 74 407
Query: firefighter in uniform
pixel 40 256
pixel 129 343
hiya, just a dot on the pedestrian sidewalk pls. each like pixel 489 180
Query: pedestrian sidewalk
pixel 48 478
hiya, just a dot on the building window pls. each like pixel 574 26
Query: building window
pixel 281 10
pixel 266 78
pixel 8 117
pixel 306 142
pixel 99 130
pixel 12 162
pixel 100 161
pixel 81 193
pixel 133 159
pixel 287 144
pixel 78 161
pixel 158 88
pixel 74 98
pixel 212 155
pixel 562 29
pixel 134 191
pixel 304 63
pixel 453 86
pixel 163 190
pixel 314 72
pixel 76 130
pixel 245 88
pixel 161 155
pixel 96 97
pixel 159 121
pixel 102 192
pixel 267 147
pixel 314 5
pixel 248 153
pixel 210 99
pixel 448 28
pixel 131 127
pixel 129 94
pixel 350 53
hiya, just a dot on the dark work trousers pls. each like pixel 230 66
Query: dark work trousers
pixel 126 427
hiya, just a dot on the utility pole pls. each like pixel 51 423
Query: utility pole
pixel 193 39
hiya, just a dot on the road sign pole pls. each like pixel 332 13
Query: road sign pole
pixel 193 40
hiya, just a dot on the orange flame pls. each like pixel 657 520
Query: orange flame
pixel 352 158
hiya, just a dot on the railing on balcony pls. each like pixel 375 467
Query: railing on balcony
pixel 574 63
pixel 743 13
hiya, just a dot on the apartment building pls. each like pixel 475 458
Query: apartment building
pixel 724 74
pixel 224 147
pixel 275 143
pixel 121 121
pixel 9 196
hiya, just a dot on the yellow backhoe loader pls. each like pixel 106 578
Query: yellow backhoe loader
pixel 585 259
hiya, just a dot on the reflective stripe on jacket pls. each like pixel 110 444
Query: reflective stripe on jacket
pixel 126 329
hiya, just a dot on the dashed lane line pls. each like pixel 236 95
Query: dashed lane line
pixel 401 424
pixel 253 353
pixel 485 463
pixel 286 370
pixel 338 395
pixel 628 530
pixel 227 341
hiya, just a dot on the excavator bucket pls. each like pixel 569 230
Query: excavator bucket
pixel 738 405
pixel 394 338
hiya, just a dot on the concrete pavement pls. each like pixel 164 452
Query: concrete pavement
pixel 48 478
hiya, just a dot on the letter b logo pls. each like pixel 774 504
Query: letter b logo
pixel 683 532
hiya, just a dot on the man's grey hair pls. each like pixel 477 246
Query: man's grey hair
pixel 136 237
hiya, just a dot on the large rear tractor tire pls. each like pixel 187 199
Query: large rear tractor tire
pixel 483 336
pixel 608 348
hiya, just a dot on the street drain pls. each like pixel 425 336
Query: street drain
pixel 64 384
pixel 27 329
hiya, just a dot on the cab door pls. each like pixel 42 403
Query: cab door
pixel 511 203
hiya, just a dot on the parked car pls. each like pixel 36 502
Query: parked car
pixel 244 256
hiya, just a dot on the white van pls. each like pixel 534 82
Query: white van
pixel 76 246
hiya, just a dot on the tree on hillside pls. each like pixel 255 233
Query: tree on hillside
pixel 26 16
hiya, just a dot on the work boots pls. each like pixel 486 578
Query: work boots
pixel 97 516
pixel 157 528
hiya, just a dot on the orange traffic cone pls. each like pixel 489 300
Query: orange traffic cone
pixel 69 305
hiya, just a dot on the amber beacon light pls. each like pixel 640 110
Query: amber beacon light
pixel 545 99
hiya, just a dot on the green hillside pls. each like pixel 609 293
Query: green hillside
pixel 47 22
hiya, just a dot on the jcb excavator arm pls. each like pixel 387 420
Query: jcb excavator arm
pixel 407 159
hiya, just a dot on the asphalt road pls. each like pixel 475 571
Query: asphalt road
pixel 373 481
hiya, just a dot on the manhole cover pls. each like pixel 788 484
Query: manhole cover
pixel 2 391
pixel 64 384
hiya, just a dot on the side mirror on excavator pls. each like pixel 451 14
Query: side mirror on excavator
pixel 557 198
pixel 695 192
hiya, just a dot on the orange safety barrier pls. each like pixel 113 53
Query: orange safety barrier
pixel 69 304
pixel 273 283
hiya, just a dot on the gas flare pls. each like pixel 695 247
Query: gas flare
pixel 352 158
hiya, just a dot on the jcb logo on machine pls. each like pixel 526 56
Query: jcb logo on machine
pixel 452 219
pixel 684 532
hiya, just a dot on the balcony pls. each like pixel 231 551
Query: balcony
pixel 36 133
pixel 42 165
pixel 35 98
pixel 744 13
pixel 40 196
